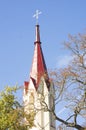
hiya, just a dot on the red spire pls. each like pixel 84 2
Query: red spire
pixel 38 66
pixel 37 34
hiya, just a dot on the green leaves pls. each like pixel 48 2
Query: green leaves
pixel 12 113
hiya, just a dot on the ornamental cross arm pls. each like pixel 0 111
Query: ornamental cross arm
pixel 36 15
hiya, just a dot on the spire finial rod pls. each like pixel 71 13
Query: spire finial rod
pixel 36 15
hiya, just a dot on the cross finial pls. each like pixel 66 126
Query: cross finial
pixel 36 15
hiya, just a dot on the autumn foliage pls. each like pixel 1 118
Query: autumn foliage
pixel 70 83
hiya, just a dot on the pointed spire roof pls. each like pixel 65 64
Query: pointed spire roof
pixel 39 68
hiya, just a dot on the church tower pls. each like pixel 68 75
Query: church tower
pixel 39 91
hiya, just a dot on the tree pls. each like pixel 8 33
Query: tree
pixel 12 115
pixel 70 86
pixel 70 83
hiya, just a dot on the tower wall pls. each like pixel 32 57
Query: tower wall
pixel 40 101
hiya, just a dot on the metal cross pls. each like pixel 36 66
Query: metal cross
pixel 36 15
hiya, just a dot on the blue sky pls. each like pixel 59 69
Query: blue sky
pixel 17 34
